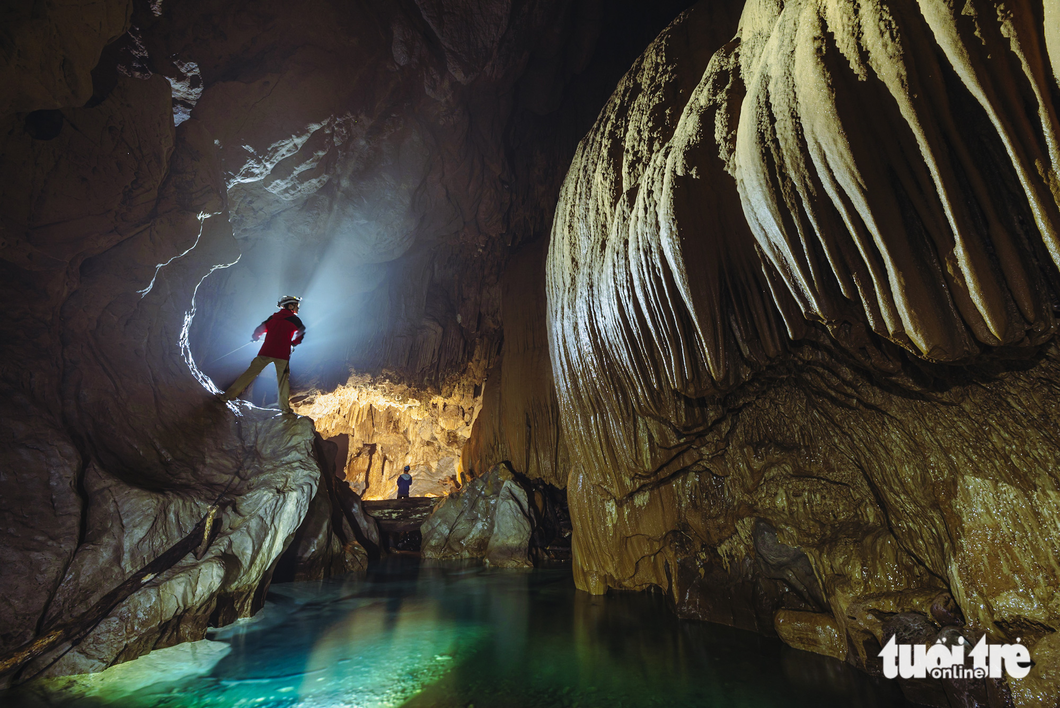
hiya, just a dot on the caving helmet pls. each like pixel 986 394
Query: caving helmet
pixel 289 300
pixel 406 468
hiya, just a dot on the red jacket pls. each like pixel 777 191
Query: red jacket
pixel 282 331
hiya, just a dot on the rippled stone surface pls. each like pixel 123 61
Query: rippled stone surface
pixel 803 271
pixel 802 274
pixel 491 518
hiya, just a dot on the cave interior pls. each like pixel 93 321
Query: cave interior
pixel 750 305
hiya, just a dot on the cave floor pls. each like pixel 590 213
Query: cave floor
pixel 449 634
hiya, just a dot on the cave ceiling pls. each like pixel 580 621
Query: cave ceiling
pixel 379 159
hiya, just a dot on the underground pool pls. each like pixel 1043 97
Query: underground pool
pixel 457 635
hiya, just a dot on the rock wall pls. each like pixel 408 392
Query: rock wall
pixel 113 448
pixel 519 421
pixel 49 56
pixel 369 161
pixel 335 537
pixel 803 272
pixel 799 299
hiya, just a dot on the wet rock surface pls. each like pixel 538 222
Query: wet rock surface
pixel 490 518
pixel 784 286
pixel 335 538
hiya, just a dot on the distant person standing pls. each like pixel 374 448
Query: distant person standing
pixel 404 481
pixel 283 331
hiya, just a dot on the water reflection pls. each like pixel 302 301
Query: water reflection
pixel 459 635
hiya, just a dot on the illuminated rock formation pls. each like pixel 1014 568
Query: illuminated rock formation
pixel 790 349
pixel 392 425
pixel 492 518
pixel 335 537
pixel 805 271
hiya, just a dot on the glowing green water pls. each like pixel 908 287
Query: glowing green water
pixel 444 636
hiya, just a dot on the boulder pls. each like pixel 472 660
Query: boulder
pixel 127 527
pixel 49 54
pixel 811 631
pixel 490 518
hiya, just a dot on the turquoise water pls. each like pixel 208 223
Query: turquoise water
pixel 470 637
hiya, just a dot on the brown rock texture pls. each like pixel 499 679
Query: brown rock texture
pixel 391 425
pixel 335 537
pixel 811 631
pixel 491 518
pixel 518 419
pixel 49 54
pixel 324 545
pixel 804 271
pixel 790 349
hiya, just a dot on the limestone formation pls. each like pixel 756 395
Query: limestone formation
pixel 491 518
pixel 324 545
pixel 365 160
pixel 392 425
pixel 227 583
pixel 518 418
pixel 49 56
pixel 804 271
pixel 811 631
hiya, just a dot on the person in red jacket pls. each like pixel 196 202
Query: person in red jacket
pixel 283 331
